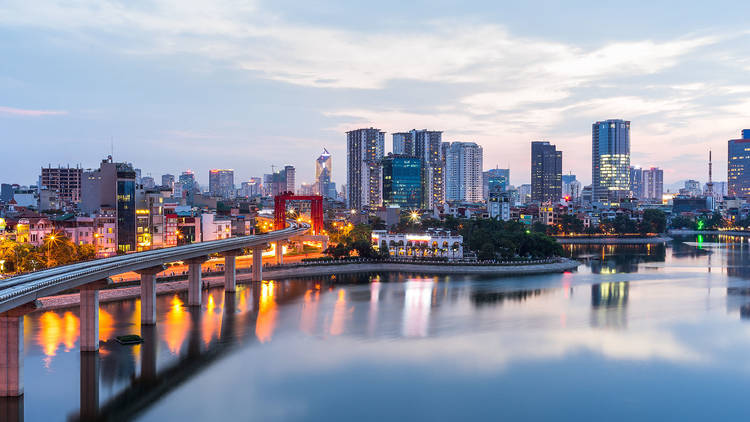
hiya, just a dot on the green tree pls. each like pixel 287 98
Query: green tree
pixel 653 221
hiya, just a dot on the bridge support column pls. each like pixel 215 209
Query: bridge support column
pixel 89 315
pixel 230 270
pixel 279 252
pixel 258 263
pixel 148 294
pixel 195 281
pixel 11 350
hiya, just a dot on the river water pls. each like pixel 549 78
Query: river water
pixel 638 332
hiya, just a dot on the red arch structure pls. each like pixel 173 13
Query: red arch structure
pixel 316 210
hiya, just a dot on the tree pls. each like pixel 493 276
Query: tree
pixel 653 221
pixel 383 251
pixel 622 224
pixel 571 224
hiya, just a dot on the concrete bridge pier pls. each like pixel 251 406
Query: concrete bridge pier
pixel 195 280
pixel 89 386
pixel 148 352
pixel 148 294
pixel 11 351
pixel 89 315
pixel 279 252
pixel 258 263
pixel 230 270
pixel 11 409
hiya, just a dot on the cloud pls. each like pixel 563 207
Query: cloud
pixel 29 113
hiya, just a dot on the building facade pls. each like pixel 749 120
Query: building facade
pixel 653 184
pixel 221 183
pixel 402 181
pixel 610 156
pixel 546 172
pixel 738 166
pixel 364 152
pixel 64 181
pixel 463 172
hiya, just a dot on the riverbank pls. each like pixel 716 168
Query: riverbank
pixel 176 286
pixel 613 240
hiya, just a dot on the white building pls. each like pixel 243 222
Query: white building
pixel 498 205
pixel 364 150
pixel 213 228
pixel 463 172
pixel 434 243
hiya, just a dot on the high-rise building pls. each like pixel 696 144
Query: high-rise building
pixel 636 183
pixel 251 188
pixel 323 166
pixel 738 166
pixel 109 188
pixel 402 181
pixel 524 193
pixel 167 180
pixel 148 182
pixel 187 186
pixel 426 145
pixel 290 178
pixel 546 172
pixel 653 184
pixel 364 151
pixel 692 188
pixel 64 181
pixel 610 156
pixel 221 183
pixel 463 172
pixel 495 180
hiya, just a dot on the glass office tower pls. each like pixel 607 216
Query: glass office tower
pixel 402 181
pixel 610 156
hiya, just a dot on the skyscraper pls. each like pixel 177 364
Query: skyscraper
pixel 221 183
pixel 427 146
pixel 738 166
pixel 610 156
pixel 290 175
pixel 496 180
pixel 546 172
pixel 571 187
pixel 463 172
pixel 323 175
pixel 653 184
pixel 187 186
pixel 364 150
pixel 403 143
pixel 636 183
pixel 402 181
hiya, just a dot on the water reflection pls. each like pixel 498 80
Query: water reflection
pixel 614 259
pixel 320 331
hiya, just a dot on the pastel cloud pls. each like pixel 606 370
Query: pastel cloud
pixel 29 113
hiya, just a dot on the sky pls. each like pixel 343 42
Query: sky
pixel 171 85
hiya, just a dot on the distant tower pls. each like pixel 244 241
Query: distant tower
pixel 710 184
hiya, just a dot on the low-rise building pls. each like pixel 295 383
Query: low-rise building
pixel 433 243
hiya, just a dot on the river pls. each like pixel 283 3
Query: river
pixel 638 332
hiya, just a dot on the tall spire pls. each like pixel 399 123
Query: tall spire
pixel 710 184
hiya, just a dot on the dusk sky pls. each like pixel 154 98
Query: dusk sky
pixel 183 84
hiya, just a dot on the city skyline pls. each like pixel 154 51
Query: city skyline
pixel 158 89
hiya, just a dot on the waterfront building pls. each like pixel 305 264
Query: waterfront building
pixel 738 166
pixel 610 157
pixel 653 184
pixel 112 186
pixel 221 183
pixel 463 172
pixel 364 151
pixel 433 243
pixel 64 181
pixel 402 181
pixel 546 172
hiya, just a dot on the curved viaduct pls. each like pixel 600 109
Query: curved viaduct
pixel 18 294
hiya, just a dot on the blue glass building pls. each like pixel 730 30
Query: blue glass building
pixel 402 181
pixel 610 160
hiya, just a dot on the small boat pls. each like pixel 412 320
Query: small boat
pixel 129 339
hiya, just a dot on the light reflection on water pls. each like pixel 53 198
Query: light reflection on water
pixel 622 330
